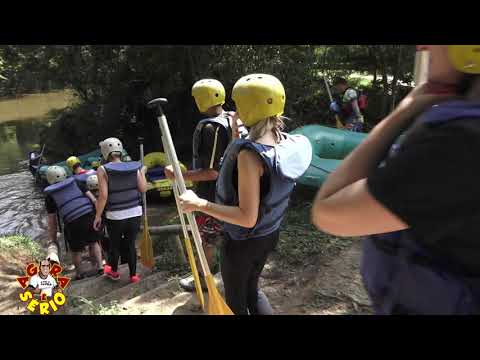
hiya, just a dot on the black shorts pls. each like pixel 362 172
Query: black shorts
pixel 80 232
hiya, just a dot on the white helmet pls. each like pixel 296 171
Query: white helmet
pixel 109 146
pixel 92 182
pixel 56 174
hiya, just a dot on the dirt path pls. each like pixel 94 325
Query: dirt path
pixel 327 285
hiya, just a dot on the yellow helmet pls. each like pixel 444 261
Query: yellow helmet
pixel 72 161
pixel 208 93
pixel 465 58
pixel 257 97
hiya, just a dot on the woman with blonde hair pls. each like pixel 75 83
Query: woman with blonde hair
pixel 256 179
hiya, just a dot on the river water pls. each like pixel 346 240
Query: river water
pixel 22 208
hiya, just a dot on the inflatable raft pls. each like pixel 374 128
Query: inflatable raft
pixel 155 163
pixel 330 147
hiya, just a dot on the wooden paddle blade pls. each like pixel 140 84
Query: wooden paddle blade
pixel 339 123
pixel 146 247
pixel 216 304
pixel 196 277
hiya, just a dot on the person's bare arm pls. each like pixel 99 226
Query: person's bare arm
pixel 356 109
pixel 102 197
pixel 92 198
pixel 141 181
pixel 52 228
pixel 250 170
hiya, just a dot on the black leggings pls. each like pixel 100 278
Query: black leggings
pixel 123 232
pixel 242 262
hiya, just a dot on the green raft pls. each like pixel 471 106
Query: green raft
pixel 330 147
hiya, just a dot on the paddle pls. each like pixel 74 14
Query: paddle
pixel 337 118
pixel 146 245
pixel 216 304
pixel 186 237
pixel 420 71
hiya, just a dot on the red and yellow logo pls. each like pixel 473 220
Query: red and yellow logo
pixel 43 287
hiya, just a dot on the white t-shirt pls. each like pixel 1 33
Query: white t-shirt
pixel 46 285
pixel 124 214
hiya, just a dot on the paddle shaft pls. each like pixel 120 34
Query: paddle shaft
pixel 170 149
pixel 185 232
pixel 328 89
pixel 420 72
pixel 176 194
pixel 144 194
pixel 331 100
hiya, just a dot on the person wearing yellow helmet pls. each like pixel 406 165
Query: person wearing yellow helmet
pixel 210 140
pixel 253 188
pixel 410 187
pixel 75 165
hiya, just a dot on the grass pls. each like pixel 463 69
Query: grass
pixel 24 244
pixel 300 240
pixel 98 309
pixel 35 106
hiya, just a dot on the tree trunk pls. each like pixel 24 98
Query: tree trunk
pixel 396 72
pixel 383 69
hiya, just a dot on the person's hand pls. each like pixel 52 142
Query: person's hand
pixel 189 201
pixel 169 172
pixel 334 107
pixel 234 124
pixel 97 223
pixel 144 169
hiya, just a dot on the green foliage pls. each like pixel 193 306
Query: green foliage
pixel 98 309
pixel 299 239
pixel 100 76
pixel 22 243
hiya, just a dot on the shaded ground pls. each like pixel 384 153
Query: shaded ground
pixel 309 273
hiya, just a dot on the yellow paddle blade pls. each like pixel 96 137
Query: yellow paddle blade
pixel 216 304
pixel 339 123
pixel 146 247
pixel 196 278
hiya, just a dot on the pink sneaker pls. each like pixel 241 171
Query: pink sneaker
pixel 134 279
pixel 114 275
pixel 107 269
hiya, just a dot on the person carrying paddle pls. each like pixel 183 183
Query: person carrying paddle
pixel 67 198
pixel 120 184
pixel 412 189
pixel 210 140
pixel 349 106
pixel 253 188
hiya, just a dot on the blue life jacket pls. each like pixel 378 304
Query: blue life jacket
pixel 82 178
pixel 122 185
pixel 283 164
pixel 71 202
pixel 224 121
pixel 400 275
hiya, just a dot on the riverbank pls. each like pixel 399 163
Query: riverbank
pixel 310 273
pixel 34 106
pixel 16 251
